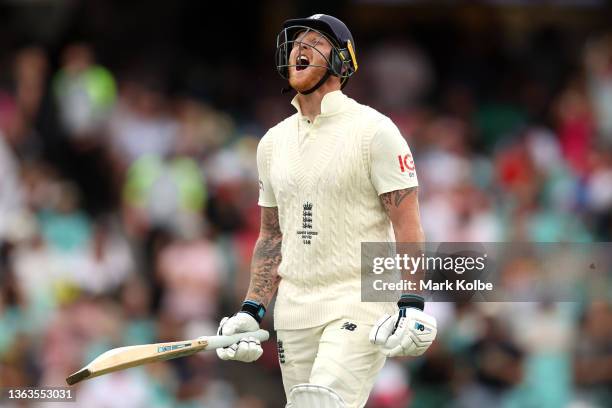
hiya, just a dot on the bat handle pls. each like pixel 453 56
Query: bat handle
pixel 215 342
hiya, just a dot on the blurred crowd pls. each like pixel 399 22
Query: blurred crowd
pixel 128 215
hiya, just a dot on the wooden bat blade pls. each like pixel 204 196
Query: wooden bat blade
pixel 79 376
pixel 132 356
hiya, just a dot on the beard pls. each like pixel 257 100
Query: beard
pixel 306 79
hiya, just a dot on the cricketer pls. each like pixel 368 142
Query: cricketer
pixel 333 175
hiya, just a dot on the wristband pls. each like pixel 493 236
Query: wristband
pixel 255 309
pixel 414 301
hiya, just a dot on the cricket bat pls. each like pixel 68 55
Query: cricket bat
pixel 131 356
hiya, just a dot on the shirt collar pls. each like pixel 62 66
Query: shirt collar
pixel 332 103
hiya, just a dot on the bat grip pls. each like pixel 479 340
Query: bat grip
pixel 215 342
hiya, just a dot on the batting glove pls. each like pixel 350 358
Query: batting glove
pixel 248 349
pixel 409 332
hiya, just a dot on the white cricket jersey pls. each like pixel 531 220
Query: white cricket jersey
pixel 325 178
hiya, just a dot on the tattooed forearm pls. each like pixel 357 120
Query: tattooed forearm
pixel 266 258
pixel 407 229
pixel 395 198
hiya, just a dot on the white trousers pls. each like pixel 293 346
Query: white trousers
pixel 337 355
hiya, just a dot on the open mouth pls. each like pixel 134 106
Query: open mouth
pixel 302 63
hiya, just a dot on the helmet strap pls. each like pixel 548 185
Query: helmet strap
pixel 318 84
pixel 323 78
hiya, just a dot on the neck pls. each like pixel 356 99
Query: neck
pixel 310 104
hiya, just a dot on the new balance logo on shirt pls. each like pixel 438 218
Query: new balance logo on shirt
pixel 349 326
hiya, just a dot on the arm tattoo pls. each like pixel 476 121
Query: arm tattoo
pixel 266 258
pixel 407 235
pixel 395 198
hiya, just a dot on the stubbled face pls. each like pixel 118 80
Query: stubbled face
pixel 303 53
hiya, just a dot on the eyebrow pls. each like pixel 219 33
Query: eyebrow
pixel 300 37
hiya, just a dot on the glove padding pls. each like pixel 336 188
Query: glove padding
pixel 246 350
pixel 409 332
